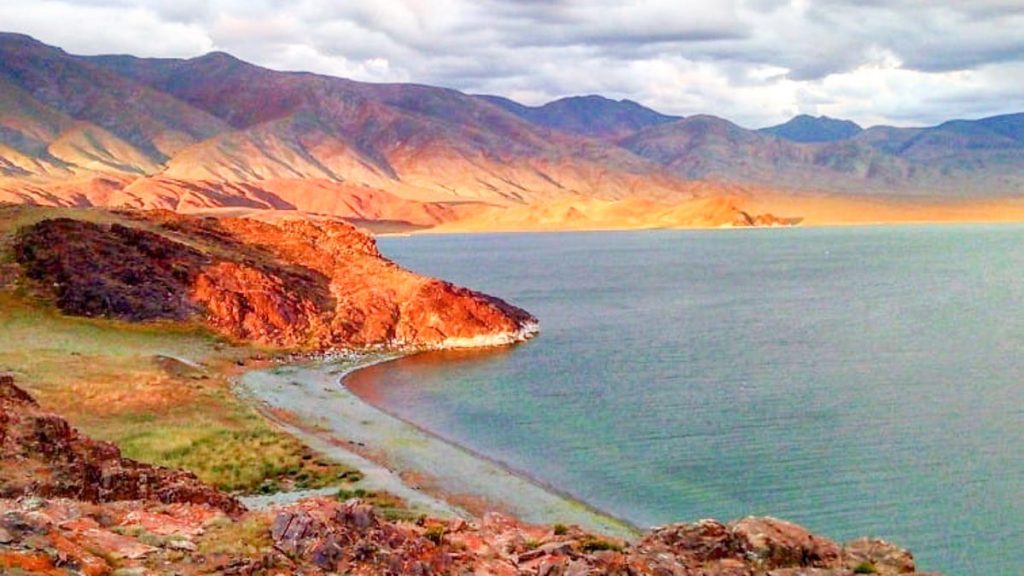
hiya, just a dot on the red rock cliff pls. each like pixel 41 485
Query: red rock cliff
pixel 295 283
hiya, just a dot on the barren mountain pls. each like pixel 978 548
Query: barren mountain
pixel 215 132
pixel 418 141
pixel 963 159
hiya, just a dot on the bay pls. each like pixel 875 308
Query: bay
pixel 858 381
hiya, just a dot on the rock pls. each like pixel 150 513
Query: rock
pixel 185 545
pixel 456 525
pixel 90 534
pixel 133 571
pixel 13 396
pixel 749 546
pixel 776 543
pixel 62 536
pixel 551 548
pixel 704 541
pixel 349 537
pixel 885 558
pixel 553 566
pixel 804 571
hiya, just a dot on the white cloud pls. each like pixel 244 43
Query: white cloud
pixel 97 27
pixel 756 62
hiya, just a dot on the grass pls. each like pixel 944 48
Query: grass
pixel 435 534
pixel 123 383
pixel 272 461
pixel 250 536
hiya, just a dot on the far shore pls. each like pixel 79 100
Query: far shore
pixel 808 211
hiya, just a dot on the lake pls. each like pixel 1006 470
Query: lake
pixel 858 381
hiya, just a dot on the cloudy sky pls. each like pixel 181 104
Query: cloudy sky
pixel 756 62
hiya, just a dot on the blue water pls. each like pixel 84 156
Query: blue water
pixel 859 381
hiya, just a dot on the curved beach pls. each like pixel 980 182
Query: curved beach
pixel 432 475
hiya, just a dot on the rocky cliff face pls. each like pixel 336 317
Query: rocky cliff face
pixel 313 285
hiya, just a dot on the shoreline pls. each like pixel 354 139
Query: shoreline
pixel 309 400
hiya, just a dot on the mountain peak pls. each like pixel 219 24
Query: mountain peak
pixel 589 115
pixel 807 128
pixel 218 56
pixel 218 59
pixel 12 41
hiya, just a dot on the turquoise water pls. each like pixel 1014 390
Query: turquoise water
pixel 860 381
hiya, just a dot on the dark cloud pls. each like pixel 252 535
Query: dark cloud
pixel 754 61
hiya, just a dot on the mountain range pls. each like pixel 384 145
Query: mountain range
pixel 214 132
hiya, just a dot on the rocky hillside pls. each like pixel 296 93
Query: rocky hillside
pixel 42 455
pixel 71 505
pixel 295 283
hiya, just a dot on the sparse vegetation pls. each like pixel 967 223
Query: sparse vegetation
pixel 388 505
pixel 865 568
pixel 594 544
pixel 249 537
pixel 560 529
pixel 435 534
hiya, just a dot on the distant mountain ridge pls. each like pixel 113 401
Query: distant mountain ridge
pixel 215 131
pixel 804 128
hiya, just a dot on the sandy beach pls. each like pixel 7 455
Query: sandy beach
pixel 433 476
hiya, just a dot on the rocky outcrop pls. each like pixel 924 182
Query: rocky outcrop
pixel 350 538
pixel 295 283
pixel 322 536
pixel 42 455
pixel 70 537
pixel 758 545
pixel 765 220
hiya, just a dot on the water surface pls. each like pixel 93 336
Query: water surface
pixel 859 381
